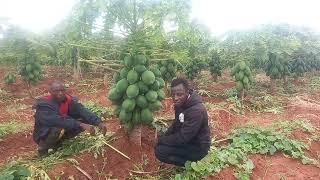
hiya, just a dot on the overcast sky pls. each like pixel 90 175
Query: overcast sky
pixel 218 15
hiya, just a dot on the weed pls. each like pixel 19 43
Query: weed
pixel 12 108
pixel 203 92
pixel 14 170
pixel 264 103
pixel 101 173
pixel 5 97
pixel 244 141
pixel 12 126
pixel 86 86
pixel 79 144
pixel 289 90
pixel 225 94
pixel 102 112
pixel 286 127
pixel 209 105
pixel 236 105
pixel 160 174
pixel 313 85
pixel 244 170
pixel 228 93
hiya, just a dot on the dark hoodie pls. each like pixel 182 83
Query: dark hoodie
pixel 193 130
pixel 48 114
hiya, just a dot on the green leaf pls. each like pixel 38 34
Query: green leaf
pixel 249 165
pixel 272 150
pixel 278 145
pixel 232 159
pixel 178 177
pixel 306 160
pixel 260 136
pixel 187 165
pixel 287 146
pixel 264 151
pixel 195 167
pixel 271 138
pixel 6 177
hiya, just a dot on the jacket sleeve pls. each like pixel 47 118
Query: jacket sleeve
pixel 171 128
pixel 48 116
pixel 190 128
pixel 77 110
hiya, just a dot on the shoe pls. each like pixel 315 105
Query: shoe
pixel 57 146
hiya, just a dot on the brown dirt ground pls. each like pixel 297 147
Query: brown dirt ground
pixel 222 121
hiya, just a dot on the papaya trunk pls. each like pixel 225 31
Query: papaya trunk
pixel 76 65
pixel 135 135
pixel 105 80
pixel 29 90
pixel 242 98
pixel 296 79
pixel 285 81
pixel 166 87
pixel 272 86
pixel 77 72
pixel 215 77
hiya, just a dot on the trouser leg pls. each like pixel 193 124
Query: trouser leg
pixel 51 140
pixel 178 155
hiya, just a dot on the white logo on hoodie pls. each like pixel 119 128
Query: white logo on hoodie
pixel 181 117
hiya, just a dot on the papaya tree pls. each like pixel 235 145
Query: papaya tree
pixel 138 89
pixel 30 69
pixel 10 78
pixel 274 69
pixel 194 67
pixel 168 70
pixel 215 66
pixel 299 65
pixel 287 65
pixel 243 77
pixel 316 62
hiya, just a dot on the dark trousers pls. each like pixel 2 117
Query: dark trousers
pixel 178 155
pixel 53 141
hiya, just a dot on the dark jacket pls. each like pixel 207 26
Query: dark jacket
pixel 48 115
pixel 194 130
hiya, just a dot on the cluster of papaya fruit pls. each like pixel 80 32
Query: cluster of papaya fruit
pixel 31 72
pixel 168 69
pixel 243 76
pixel 194 67
pixel 137 91
pixel 10 78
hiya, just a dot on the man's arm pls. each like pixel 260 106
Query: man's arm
pixel 171 128
pixel 77 110
pixel 190 128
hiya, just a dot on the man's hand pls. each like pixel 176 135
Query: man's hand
pixel 87 127
pixel 103 128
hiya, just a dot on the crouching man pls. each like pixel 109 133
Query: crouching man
pixel 60 116
pixel 188 138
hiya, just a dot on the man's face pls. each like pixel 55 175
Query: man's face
pixel 179 95
pixel 57 91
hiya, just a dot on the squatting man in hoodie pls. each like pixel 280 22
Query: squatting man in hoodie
pixel 188 138
pixel 60 116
